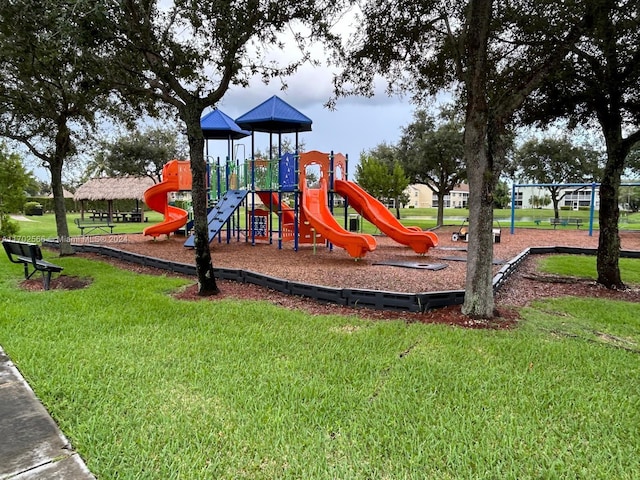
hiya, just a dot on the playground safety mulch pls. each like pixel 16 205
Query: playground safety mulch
pixel 336 268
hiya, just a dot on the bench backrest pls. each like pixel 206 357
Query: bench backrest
pixel 89 222
pixel 21 249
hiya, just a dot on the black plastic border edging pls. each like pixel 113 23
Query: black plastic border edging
pixel 374 299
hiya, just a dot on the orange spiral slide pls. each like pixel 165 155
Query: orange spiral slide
pixel 176 176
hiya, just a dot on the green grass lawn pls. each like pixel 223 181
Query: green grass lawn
pixel 147 387
pixel 44 227
pixel 38 228
pixel 584 266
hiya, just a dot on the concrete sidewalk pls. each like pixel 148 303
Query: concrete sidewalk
pixel 31 444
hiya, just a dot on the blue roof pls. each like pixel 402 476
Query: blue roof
pixel 275 116
pixel 217 125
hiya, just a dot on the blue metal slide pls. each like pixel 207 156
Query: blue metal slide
pixel 221 213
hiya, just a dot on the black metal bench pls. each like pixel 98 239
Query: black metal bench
pixel 575 221
pixel 565 222
pixel 557 221
pixel 30 255
pixel 91 225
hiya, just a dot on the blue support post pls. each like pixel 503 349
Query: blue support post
pixel 591 212
pixel 296 202
pixel 513 208
pixel 252 216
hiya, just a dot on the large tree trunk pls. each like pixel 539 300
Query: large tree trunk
pixel 556 207
pixel 62 150
pixel 609 215
pixel 440 196
pixel 478 299
pixel 59 208
pixel 204 267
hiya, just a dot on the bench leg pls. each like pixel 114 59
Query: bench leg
pixel 46 279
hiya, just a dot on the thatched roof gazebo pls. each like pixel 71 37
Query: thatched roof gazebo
pixel 110 189
pixel 65 193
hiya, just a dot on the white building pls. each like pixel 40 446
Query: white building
pixel 572 198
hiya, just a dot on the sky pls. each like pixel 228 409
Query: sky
pixel 357 124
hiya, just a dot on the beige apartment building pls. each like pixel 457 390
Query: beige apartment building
pixel 421 196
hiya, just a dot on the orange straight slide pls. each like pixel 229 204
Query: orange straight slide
pixel 271 199
pixel 176 175
pixel 374 211
pixel 314 204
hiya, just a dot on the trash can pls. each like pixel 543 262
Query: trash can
pixel 354 223
pixel 496 235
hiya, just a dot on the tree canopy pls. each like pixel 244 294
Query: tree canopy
pixel 14 181
pixel 431 153
pixel 598 83
pixel 554 161
pixel 138 153
pixel 51 83
pixel 383 177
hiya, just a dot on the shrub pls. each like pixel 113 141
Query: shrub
pixel 8 227
pixel 32 208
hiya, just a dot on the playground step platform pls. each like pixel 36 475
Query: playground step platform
pixel 222 212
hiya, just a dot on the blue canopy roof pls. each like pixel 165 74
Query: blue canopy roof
pixel 275 116
pixel 216 125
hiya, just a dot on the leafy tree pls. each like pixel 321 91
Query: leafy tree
pixel 383 180
pixel 14 180
pixel 554 161
pixel 36 187
pixel 598 82
pixel 398 186
pixel 630 198
pixel 501 197
pixel 433 154
pixel 185 56
pixel 287 145
pixel 51 86
pixel 372 175
pixel 386 154
pixel 633 161
pixel 539 201
pixel 494 54
pixel 139 153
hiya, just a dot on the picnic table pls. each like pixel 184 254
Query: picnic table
pixel 91 225
pixel 118 217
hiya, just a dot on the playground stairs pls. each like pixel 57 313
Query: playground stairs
pixel 222 212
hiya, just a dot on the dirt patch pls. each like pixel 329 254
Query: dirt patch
pixel 62 282
pixel 448 315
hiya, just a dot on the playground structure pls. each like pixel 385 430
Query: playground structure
pixel 297 189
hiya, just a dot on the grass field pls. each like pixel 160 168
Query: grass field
pixel 424 218
pixel 147 386
pixel 41 227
